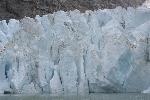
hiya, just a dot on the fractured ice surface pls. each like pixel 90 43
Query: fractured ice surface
pixel 73 52
pixel 146 3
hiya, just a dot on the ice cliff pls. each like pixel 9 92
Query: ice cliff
pixel 76 53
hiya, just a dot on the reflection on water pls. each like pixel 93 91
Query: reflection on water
pixel 86 97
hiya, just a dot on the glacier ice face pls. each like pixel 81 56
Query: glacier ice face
pixel 146 4
pixel 76 53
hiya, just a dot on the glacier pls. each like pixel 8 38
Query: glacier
pixel 101 51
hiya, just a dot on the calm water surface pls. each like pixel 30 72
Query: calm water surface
pixel 86 97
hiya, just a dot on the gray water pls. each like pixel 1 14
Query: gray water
pixel 87 97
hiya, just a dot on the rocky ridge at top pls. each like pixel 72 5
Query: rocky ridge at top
pixel 20 8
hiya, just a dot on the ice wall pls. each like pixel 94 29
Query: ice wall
pixel 76 53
